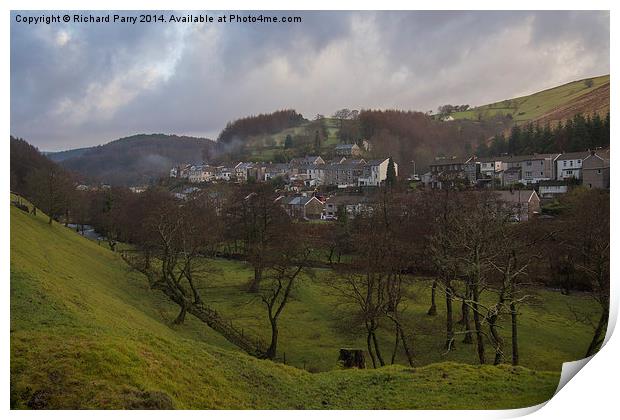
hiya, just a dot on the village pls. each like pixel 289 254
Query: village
pixel 312 188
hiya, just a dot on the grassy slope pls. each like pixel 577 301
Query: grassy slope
pixel 85 332
pixel 533 106
pixel 265 147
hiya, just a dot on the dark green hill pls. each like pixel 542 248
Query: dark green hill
pixel 133 160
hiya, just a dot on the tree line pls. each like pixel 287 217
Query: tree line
pixel 47 185
pixel 576 134
pixel 414 136
pixel 259 124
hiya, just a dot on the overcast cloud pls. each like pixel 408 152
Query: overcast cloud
pixel 75 85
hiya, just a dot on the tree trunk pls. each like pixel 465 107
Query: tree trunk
pixel 188 276
pixel 370 352
pixel 271 351
pixel 497 339
pixel 258 276
pixel 181 317
pixel 449 320
pixel 433 309
pixel 478 324
pixel 599 333
pixel 515 341
pixel 396 338
pixel 468 338
pixel 377 350
pixel 406 346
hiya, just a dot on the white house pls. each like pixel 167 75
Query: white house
pixel 568 165
pixel 314 172
pixel 375 172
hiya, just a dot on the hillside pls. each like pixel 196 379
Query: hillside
pixel 586 96
pixel 133 160
pixel 67 154
pixel 270 147
pixel 87 333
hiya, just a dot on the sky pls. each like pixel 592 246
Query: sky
pixel 83 84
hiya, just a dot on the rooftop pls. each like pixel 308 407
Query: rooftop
pixel 574 155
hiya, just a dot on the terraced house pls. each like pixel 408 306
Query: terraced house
pixel 446 172
pixel 344 174
pixel 537 167
pixel 595 169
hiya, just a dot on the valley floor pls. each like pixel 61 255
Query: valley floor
pixel 86 332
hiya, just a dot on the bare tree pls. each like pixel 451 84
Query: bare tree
pixel 174 240
pixel 374 280
pixel 467 247
pixel 442 252
pixel 587 231
pixel 258 221
pixel 279 283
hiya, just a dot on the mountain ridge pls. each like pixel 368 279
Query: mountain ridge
pixel 133 160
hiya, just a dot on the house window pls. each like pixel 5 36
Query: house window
pixel 598 171
pixel 541 173
pixel 528 174
pixel 571 163
pixel 579 162
pixel 529 163
pixel 564 163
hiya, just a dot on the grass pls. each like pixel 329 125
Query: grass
pixel 264 148
pixel 529 107
pixel 88 333
pixel 316 323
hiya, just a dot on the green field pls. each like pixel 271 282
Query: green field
pixel 264 148
pixel 530 107
pixel 87 332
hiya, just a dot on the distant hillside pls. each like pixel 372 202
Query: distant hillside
pixel 271 147
pixel 134 160
pixel 25 159
pixel 66 154
pixel 586 97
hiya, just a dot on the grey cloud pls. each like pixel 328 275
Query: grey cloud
pixel 76 85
